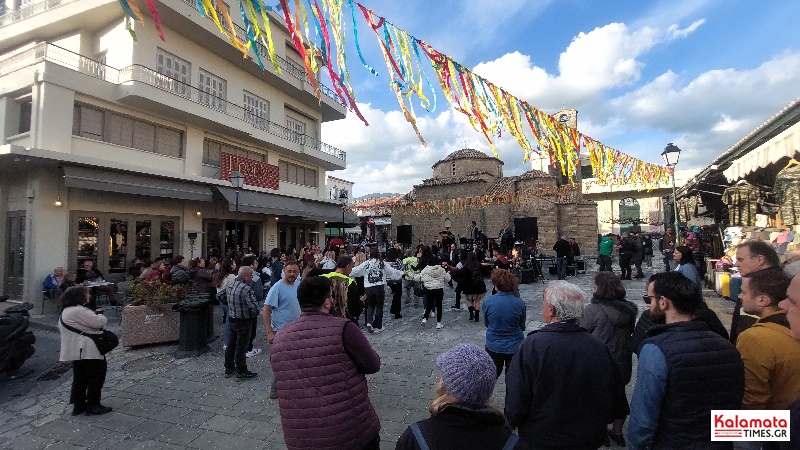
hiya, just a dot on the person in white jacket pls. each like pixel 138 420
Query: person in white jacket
pixel 434 277
pixel 88 365
pixel 375 272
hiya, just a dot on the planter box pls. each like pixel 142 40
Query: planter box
pixel 143 325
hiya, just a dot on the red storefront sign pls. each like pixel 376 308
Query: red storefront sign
pixel 256 173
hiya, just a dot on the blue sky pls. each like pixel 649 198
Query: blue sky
pixel 701 74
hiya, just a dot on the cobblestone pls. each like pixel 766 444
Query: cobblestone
pixel 188 403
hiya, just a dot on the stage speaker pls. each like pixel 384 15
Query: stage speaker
pixel 526 228
pixel 404 234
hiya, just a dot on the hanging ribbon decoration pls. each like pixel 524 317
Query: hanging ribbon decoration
pixel 489 108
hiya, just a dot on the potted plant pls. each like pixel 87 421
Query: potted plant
pixel 148 317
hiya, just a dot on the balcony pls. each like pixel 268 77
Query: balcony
pixel 137 73
pixel 31 10
pixel 288 67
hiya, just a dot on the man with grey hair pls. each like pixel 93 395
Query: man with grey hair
pixel 562 386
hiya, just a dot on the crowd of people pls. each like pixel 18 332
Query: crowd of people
pixel 565 382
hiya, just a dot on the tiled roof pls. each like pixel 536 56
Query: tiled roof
pixel 452 180
pixel 502 185
pixel 376 202
pixel 466 153
pixel 534 174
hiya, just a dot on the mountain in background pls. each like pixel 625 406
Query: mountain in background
pixel 364 197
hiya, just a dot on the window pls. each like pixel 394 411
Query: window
pixel 453 169
pixel 25 111
pixel 212 150
pixel 256 111
pixel 297 130
pixel 177 73
pixel 213 90
pixel 297 174
pixel 119 129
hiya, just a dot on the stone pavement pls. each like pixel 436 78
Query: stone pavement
pixel 167 403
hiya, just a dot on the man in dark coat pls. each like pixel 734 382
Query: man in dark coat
pixel 685 370
pixel 626 250
pixel 563 250
pixel 563 387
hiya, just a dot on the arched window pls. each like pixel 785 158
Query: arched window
pixel 629 215
pixel 447 223
pixel 453 169
pixel 499 170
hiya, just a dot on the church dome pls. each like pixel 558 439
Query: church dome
pixel 466 153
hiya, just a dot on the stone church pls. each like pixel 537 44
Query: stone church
pixel 543 212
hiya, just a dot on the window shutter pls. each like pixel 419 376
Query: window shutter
pixel 91 123
pixel 170 142
pixel 144 136
pixel 119 129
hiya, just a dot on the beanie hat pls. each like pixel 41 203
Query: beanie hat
pixel 468 373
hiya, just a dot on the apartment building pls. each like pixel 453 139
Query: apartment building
pixel 113 148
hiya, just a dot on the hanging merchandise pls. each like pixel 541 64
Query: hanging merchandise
pixel 742 201
pixel 787 194
pixel 490 109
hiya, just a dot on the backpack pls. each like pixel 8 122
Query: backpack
pixel 375 273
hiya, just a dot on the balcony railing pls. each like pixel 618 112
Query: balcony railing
pixel 49 52
pixel 286 65
pixel 31 10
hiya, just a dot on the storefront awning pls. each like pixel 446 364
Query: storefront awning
pixel 263 203
pixel 127 183
pixel 785 144
pixel 330 212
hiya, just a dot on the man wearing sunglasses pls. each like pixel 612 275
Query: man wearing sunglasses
pixel 685 370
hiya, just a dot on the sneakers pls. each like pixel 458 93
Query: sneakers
pixel 439 325
pixel 229 373
pixel 424 322
pixel 377 330
pixel 253 352
pixel 246 375
pixel 455 308
pixel 369 328
pixel 273 394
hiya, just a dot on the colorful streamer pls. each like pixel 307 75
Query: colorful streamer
pixel 490 109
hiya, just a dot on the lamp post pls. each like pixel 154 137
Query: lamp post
pixel 343 199
pixel 237 181
pixel 671 154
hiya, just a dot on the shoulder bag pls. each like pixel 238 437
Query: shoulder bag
pixel 105 341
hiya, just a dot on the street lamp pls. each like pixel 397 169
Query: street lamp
pixel 237 181
pixel 671 154
pixel 343 199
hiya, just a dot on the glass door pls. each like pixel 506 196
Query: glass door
pixel 15 256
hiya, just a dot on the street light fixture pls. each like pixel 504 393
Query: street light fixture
pixel 343 199
pixel 671 154
pixel 237 181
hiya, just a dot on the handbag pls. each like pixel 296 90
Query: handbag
pixel 419 289
pixel 105 341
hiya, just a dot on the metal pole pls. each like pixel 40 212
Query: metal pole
pixel 236 228
pixel 675 207
pixel 341 230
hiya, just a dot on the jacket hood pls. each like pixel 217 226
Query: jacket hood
pixel 436 271
pixel 469 415
pixel 620 312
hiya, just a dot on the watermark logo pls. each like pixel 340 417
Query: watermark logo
pixel 743 425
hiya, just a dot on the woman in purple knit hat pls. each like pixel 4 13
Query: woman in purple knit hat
pixel 462 415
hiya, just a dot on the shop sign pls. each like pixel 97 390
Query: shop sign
pixel 256 173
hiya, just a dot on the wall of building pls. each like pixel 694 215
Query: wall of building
pixel 466 166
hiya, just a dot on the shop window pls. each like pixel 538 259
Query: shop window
pixel 117 246
pixel 87 239
pixel 167 240
pixel 143 241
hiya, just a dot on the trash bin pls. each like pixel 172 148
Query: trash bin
pixel 193 339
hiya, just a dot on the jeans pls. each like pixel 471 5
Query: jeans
pixel 500 360
pixel 227 332
pixel 435 297
pixel 561 267
pixel 88 378
pixel 235 354
pixel 397 295
pixel 408 292
pixel 605 263
pixel 625 265
pixel 375 300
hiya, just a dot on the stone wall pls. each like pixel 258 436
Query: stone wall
pixel 467 166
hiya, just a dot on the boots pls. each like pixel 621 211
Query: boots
pixel 477 315
pixel 471 313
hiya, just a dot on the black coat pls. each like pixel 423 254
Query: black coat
pixel 646 322
pixel 563 388
pixel 460 427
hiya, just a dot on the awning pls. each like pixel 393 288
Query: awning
pixel 785 144
pixel 382 220
pixel 127 183
pixel 330 212
pixel 263 203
